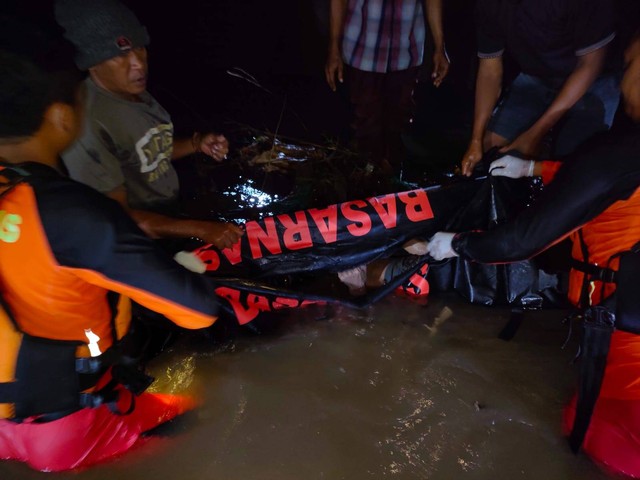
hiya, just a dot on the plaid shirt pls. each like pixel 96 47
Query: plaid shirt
pixel 384 35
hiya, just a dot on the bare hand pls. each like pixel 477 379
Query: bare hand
pixel 440 67
pixel 334 68
pixel 212 144
pixel 221 235
pixel 471 157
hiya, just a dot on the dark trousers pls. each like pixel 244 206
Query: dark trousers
pixel 383 107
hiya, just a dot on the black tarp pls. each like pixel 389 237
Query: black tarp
pixel 520 284
pixel 289 260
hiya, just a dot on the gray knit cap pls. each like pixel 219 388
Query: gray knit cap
pixel 99 29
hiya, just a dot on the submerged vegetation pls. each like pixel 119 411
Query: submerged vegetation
pixel 268 175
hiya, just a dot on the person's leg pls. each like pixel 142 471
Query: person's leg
pixel 376 273
pixel 593 113
pixel 399 107
pixel 366 94
pixel 370 275
pixel 355 279
pixel 491 140
pixel 523 103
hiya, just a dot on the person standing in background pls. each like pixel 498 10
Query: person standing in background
pixel 566 84
pixel 378 46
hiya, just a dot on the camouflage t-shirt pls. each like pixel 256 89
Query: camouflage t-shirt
pixel 125 143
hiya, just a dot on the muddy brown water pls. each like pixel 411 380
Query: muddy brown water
pixel 397 391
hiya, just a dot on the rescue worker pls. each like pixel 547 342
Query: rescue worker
pixel 595 198
pixel 71 394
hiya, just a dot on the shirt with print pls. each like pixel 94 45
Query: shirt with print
pixel 384 35
pixel 128 144
pixel 545 37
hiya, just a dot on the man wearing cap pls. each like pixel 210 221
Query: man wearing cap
pixel 127 144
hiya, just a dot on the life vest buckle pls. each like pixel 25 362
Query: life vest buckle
pixel 599 317
pixel 133 379
pixel 91 400
pixel 607 275
pixel 88 365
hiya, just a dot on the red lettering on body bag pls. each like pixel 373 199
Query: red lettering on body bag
pixel 362 220
pixel 418 206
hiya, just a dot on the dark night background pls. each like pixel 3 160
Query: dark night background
pixel 282 44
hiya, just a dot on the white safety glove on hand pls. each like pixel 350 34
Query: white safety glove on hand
pixel 512 167
pixel 439 246
pixel 189 261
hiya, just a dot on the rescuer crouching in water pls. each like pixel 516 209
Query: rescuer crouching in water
pixel 594 197
pixel 70 259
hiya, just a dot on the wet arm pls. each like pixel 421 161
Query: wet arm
pixel 584 187
pixel 587 70
pixel 108 250
pixel 182 147
pixel 440 59
pixel 156 225
pixel 333 66
pixel 214 145
pixel 488 88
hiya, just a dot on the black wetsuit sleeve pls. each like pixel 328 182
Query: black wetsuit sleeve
pixel 92 233
pixel 599 174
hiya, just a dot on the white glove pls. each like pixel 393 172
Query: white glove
pixel 439 246
pixel 189 261
pixel 512 167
